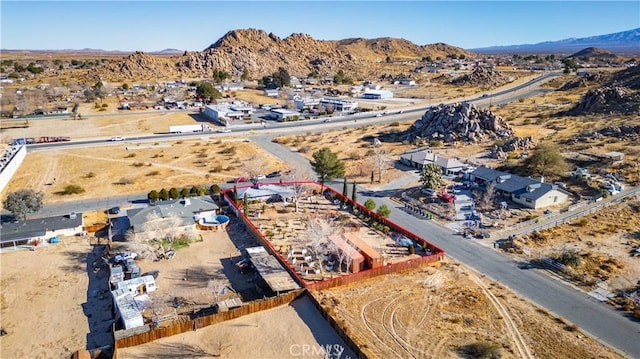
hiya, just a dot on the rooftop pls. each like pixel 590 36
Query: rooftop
pixel 37 227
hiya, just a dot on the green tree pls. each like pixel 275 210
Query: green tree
pixel 431 176
pixel 546 158
pixel 125 86
pixel 153 196
pixel 174 193
pixel 184 193
pixel 384 211
pixel 207 91
pixel 23 202
pixel 215 189
pixel 164 194
pixel 194 192
pixel 354 193
pixel 371 204
pixel 345 191
pixel 281 77
pixel 245 204
pixel 219 76
pixel 245 74
pixel 339 77
pixel 327 165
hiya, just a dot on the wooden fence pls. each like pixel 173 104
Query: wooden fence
pixel 336 326
pixel 204 321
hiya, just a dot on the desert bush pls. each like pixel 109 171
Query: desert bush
pixel 216 169
pixel 482 350
pixel 303 149
pixel 153 173
pixel 137 164
pixel 435 143
pixel 572 328
pixel 131 155
pixel 570 258
pixel 124 181
pixel 395 124
pixel 90 175
pixel 71 189
pixel 228 151
pixel 527 121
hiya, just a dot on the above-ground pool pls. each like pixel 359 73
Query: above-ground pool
pixel 213 222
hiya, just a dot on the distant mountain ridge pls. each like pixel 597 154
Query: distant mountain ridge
pixel 624 42
pixel 261 53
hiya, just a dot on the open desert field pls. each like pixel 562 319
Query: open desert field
pixel 42 300
pixel 604 242
pixel 124 168
pixel 127 124
pixel 295 330
pixel 448 312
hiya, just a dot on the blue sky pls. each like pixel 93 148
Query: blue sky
pixel 152 25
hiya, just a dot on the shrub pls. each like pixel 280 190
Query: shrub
pixel 228 151
pixel 71 189
pixel 90 175
pixel 582 223
pixel 131 155
pixel 435 143
pixel 482 350
pixel 124 181
pixel 153 173
pixel 216 169
pixel 526 121
pixel 395 124
pixel 137 164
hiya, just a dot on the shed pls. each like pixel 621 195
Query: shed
pixel 356 258
pixel 373 258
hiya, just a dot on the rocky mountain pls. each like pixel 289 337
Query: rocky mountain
pixel 621 94
pixel 620 42
pixel 262 53
pixel 459 122
pixel 483 76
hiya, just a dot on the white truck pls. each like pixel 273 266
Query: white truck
pixel 189 128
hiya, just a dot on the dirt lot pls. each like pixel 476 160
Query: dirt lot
pixel 438 312
pixel 100 171
pixel 96 127
pixel 603 240
pixel 44 290
pixel 282 332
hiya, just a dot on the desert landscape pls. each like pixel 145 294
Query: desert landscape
pixel 252 110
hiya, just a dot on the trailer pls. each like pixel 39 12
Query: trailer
pixel 189 128
pixel 43 139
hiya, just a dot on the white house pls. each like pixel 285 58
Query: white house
pixel 222 113
pixel 377 94
pixel 407 82
pixel 187 209
pixel 339 104
pixel 283 115
pixel 271 92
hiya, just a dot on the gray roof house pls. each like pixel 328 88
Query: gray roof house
pixel 187 209
pixel 419 157
pixel 13 234
pixel 526 191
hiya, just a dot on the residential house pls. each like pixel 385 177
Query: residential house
pixel 34 231
pixel 188 210
pixel 377 94
pixel 271 92
pixel 283 115
pixel 267 192
pixel 526 191
pixel 339 104
pixel 419 157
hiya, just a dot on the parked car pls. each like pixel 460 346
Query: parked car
pixel 117 138
pixel 258 177
pixel 241 179
pixel 224 130
pixel 114 210
pixel 124 256
pixel 274 174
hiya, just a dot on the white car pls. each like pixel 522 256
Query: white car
pixel 224 130
pixel 117 138
pixel 259 177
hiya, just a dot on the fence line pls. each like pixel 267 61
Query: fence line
pixel 204 321
pixel 437 253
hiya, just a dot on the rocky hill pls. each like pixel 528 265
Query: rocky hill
pixel 593 53
pixel 459 122
pixel 483 77
pixel 262 53
pixel 621 94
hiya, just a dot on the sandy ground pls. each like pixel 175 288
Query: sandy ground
pixel 282 332
pixel 148 166
pixel 435 312
pixel 42 296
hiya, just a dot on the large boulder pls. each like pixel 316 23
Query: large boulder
pixel 459 122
